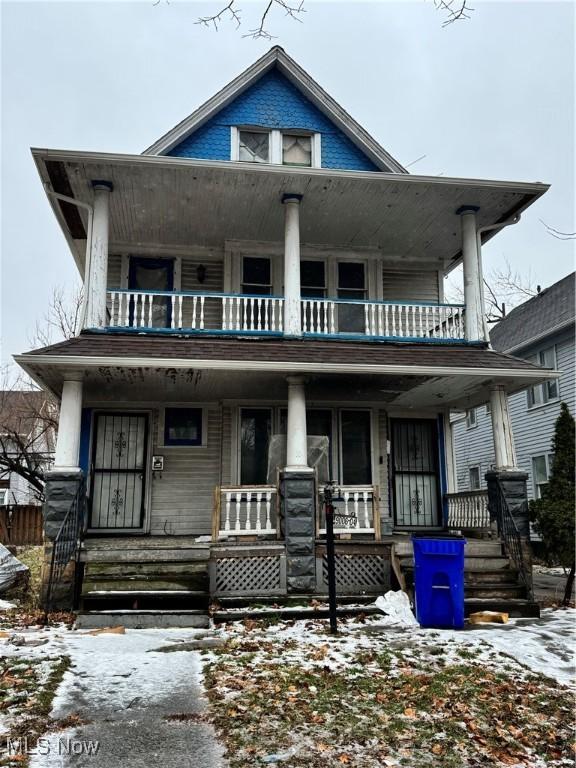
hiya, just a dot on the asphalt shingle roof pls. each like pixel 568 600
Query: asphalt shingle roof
pixel 551 308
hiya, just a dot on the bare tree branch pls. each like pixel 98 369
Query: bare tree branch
pixel 456 10
pixel 62 319
pixel 231 12
pixel 557 234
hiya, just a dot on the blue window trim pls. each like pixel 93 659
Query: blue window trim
pixel 186 441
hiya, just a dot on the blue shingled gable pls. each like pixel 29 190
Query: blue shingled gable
pixel 273 102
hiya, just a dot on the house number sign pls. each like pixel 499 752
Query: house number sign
pixel 345 521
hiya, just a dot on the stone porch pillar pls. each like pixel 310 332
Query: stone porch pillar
pixel 292 310
pixel 298 496
pixel 473 292
pixel 96 278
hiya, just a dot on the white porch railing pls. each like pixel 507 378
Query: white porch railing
pixel 246 511
pixel 382 319
pixel 181 310
pixel 355 510
pixel 468 509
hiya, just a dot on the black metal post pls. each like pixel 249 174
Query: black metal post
pixel 330 556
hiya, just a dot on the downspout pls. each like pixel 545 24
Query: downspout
pixel 488 228
pixel 90 210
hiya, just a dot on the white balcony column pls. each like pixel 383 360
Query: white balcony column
pixel 95 281
pixel 474 312
pixel 504 450
pixel 69 425
pixel 296 438
pixel 292 311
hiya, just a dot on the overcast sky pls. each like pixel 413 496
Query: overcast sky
pixel 491 97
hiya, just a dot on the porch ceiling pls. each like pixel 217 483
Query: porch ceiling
pixel 411 376
pixel 177 202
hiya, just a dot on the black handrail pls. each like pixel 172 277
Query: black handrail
pixel 66 544
pixel 511 539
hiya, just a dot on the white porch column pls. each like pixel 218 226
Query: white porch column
pixel 504 451
pixel 95 282
pixel 474 314
pixel 68 441
pixel 296 438
pixel 292 311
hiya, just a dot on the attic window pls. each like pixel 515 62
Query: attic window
pixel 296 150
pixel 254 147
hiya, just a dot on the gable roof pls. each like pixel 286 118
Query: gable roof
pixel 548 312
pixel 277 58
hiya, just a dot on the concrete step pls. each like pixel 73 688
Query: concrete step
pixel 495 591
pixel 515 608
pixel 142 619
pixel 493 576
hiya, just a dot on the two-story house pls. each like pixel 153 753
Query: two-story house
pixel 264 311
pixel 541 330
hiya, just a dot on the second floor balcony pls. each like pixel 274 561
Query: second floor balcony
pixel 188 312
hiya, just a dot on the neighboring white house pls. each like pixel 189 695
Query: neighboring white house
pixel 541 330
pixel 26 439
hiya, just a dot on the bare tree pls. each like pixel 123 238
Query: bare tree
pixel 453 10
pixel 29 416
pixel 558 234
pixel 504 289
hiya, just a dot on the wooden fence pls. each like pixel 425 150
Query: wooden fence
pixel 21 524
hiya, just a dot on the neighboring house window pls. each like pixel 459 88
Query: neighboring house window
pixel 544 393
pixel 3 496
pixel 183 426
pixel 474 478
pixel 471 418
pixel 296 150
pixel 540 473
pixel 254 147
pixel 488 409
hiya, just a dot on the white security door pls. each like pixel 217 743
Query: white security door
pixel 118 471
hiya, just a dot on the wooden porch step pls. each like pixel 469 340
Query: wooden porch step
pixel 115 594
pixel 147 555
pixel 473 548
pixel 471 564
pixel 495 591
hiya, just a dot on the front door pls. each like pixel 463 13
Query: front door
pixel 415 476
pixel 118 471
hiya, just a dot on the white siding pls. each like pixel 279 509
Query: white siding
pixel 533 428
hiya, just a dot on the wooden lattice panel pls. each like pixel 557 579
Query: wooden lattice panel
pixel 358 573
pixel 249 576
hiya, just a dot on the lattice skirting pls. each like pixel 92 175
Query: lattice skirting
pixel 244 576
pixel 356 574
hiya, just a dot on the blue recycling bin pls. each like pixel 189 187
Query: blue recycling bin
pixel 439 582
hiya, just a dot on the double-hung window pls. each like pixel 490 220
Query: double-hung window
pixel 351 288
pixel 256 276
pixel 544 393
pixel 471 418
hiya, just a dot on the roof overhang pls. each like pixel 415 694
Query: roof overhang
pixel 179 202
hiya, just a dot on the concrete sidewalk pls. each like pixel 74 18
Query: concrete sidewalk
pixel 142 706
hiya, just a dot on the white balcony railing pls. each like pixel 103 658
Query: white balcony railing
pixel 382 319
pixel 355 510
pixel 187 311
pixel 245 511
pixel 234 313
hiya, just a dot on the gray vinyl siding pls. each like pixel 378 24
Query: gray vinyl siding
pixel 410 285
pixel 533 428
pixel 182 496
pixel 213 283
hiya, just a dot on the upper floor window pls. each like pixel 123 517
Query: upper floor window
pixel 254 146
pixel 295 148
pixel 256 276
pixel 313 279
pixel 544 393
pixel 471 418
pixel 474 478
